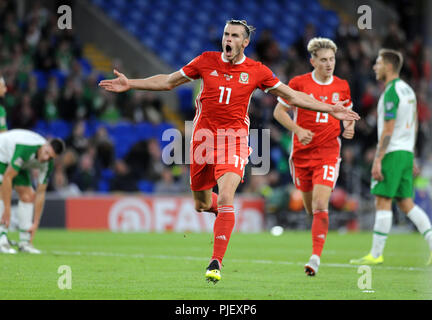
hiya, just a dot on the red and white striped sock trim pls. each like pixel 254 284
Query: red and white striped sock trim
pixel 227 209
pixel 318 211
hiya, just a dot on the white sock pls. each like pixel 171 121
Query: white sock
pixel 421 221
pixel 25 219
pixel 3 229
pixel 382 226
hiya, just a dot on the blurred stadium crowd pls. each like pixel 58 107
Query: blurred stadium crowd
pixel 50 83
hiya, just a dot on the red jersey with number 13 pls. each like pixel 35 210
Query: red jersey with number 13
pixel 326 129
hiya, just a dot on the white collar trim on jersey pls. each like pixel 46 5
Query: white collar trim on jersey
pixel 238 62
pixel 330 81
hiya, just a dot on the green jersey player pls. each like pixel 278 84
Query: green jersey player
pixel 3 90
pixel 392 170
pixel 21 151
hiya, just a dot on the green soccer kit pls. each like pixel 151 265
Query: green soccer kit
pixel 18 148
pixel 3 123
pixel 397 102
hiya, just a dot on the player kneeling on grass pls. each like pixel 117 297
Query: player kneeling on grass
pixel 393 167
pixel 20 152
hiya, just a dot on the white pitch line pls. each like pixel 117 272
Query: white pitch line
pixel 168 257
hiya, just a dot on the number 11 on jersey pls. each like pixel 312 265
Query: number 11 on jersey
pixel 222 90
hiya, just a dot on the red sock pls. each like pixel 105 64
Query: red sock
pixel 214 207
pixel 320 224
pixel 223 227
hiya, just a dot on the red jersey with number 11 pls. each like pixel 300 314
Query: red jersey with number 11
pixel 226 90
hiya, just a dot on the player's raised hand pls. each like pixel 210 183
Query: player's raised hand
pixel 304 136
pixel 119 84
pixel 342 113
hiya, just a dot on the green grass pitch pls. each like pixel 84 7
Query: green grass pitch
pixel 171 266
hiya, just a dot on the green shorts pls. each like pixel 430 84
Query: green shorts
pixel 22 179
pixel 397 169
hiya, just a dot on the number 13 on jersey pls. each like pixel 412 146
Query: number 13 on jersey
pixel 329 173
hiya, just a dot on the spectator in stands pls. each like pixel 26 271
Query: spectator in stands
pixel 23 115
pixel 155 166
pixel 395 38
pixel 69 101
pixel 60 185
pixel 50 108
pixel 267 49
pixel 104 148
pixel 167 184
pixel 69 163
pixel 33 35
pixel 64 56
pixel 301 44
pixel 124 180
pixel 86 176
pixel 134 110
pixel 349 174
pixel 152 108
pixel 107 109
pixel 77 140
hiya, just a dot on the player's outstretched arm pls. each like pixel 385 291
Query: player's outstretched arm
pixel 303 100
pixel 281 115
pixel 160 82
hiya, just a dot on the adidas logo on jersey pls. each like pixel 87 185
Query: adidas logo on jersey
pixel 214 73
pixel 222 237
pixel 322 236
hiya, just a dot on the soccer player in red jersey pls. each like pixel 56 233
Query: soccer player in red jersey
pixel 219 147
pixel 315 154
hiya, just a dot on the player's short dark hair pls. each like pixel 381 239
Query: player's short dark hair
pixel 58 145
pixel 393 57
pixel 248 28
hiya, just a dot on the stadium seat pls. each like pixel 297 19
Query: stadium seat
pixel 185 95
pixel 60 128
pixel 160 25
pixel 60 77
pixel 41 79
pixel 85 66
pixel 41 127
pixel 107 174
pixel 91 127
pixel 275 154
pixel 103 186
pixel 144 131
pixel 146 186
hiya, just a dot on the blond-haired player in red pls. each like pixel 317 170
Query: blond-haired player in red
pixel 219 146
pixel 315 154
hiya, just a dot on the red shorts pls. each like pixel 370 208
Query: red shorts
pixel 307 173
pixel 207 167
